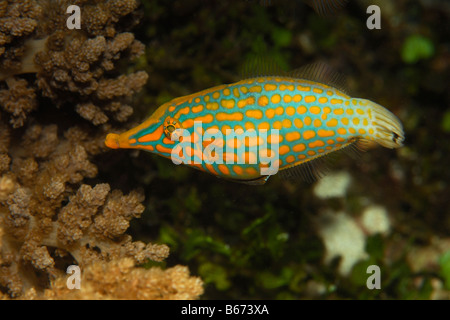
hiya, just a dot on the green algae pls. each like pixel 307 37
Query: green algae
pixel 416 48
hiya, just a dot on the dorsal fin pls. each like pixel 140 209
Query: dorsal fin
pixel 265 66
pixel 326 8
pixel 320 72
pixel 261 66
pixel 315 169
pixel 265 3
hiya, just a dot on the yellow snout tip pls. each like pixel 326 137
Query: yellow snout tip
pixel 112 141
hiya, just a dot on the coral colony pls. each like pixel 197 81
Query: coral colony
pixel 48 217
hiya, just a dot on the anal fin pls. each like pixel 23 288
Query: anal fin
pixel 314 169
pixel 308 171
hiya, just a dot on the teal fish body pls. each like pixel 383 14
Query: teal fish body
pixel 251 129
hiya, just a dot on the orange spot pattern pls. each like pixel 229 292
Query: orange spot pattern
pixel 306 114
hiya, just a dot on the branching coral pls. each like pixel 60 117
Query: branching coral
pixel 73 67
pixel 119 279
pixel 79 68
pixel 49 217
pixel 18 20
pixel 39 212
pixel 18 99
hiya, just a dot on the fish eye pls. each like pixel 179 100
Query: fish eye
pixel 170 128
pixel 170 125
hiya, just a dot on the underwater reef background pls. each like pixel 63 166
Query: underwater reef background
pixel 125 215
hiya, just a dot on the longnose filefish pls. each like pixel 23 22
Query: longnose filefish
pixel 307 113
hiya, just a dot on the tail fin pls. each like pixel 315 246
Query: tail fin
pixel 388 128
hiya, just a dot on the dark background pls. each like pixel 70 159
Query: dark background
pixel 258 242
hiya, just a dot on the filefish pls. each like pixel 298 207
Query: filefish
pixel 308 109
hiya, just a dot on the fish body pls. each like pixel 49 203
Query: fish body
pixel 260 124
